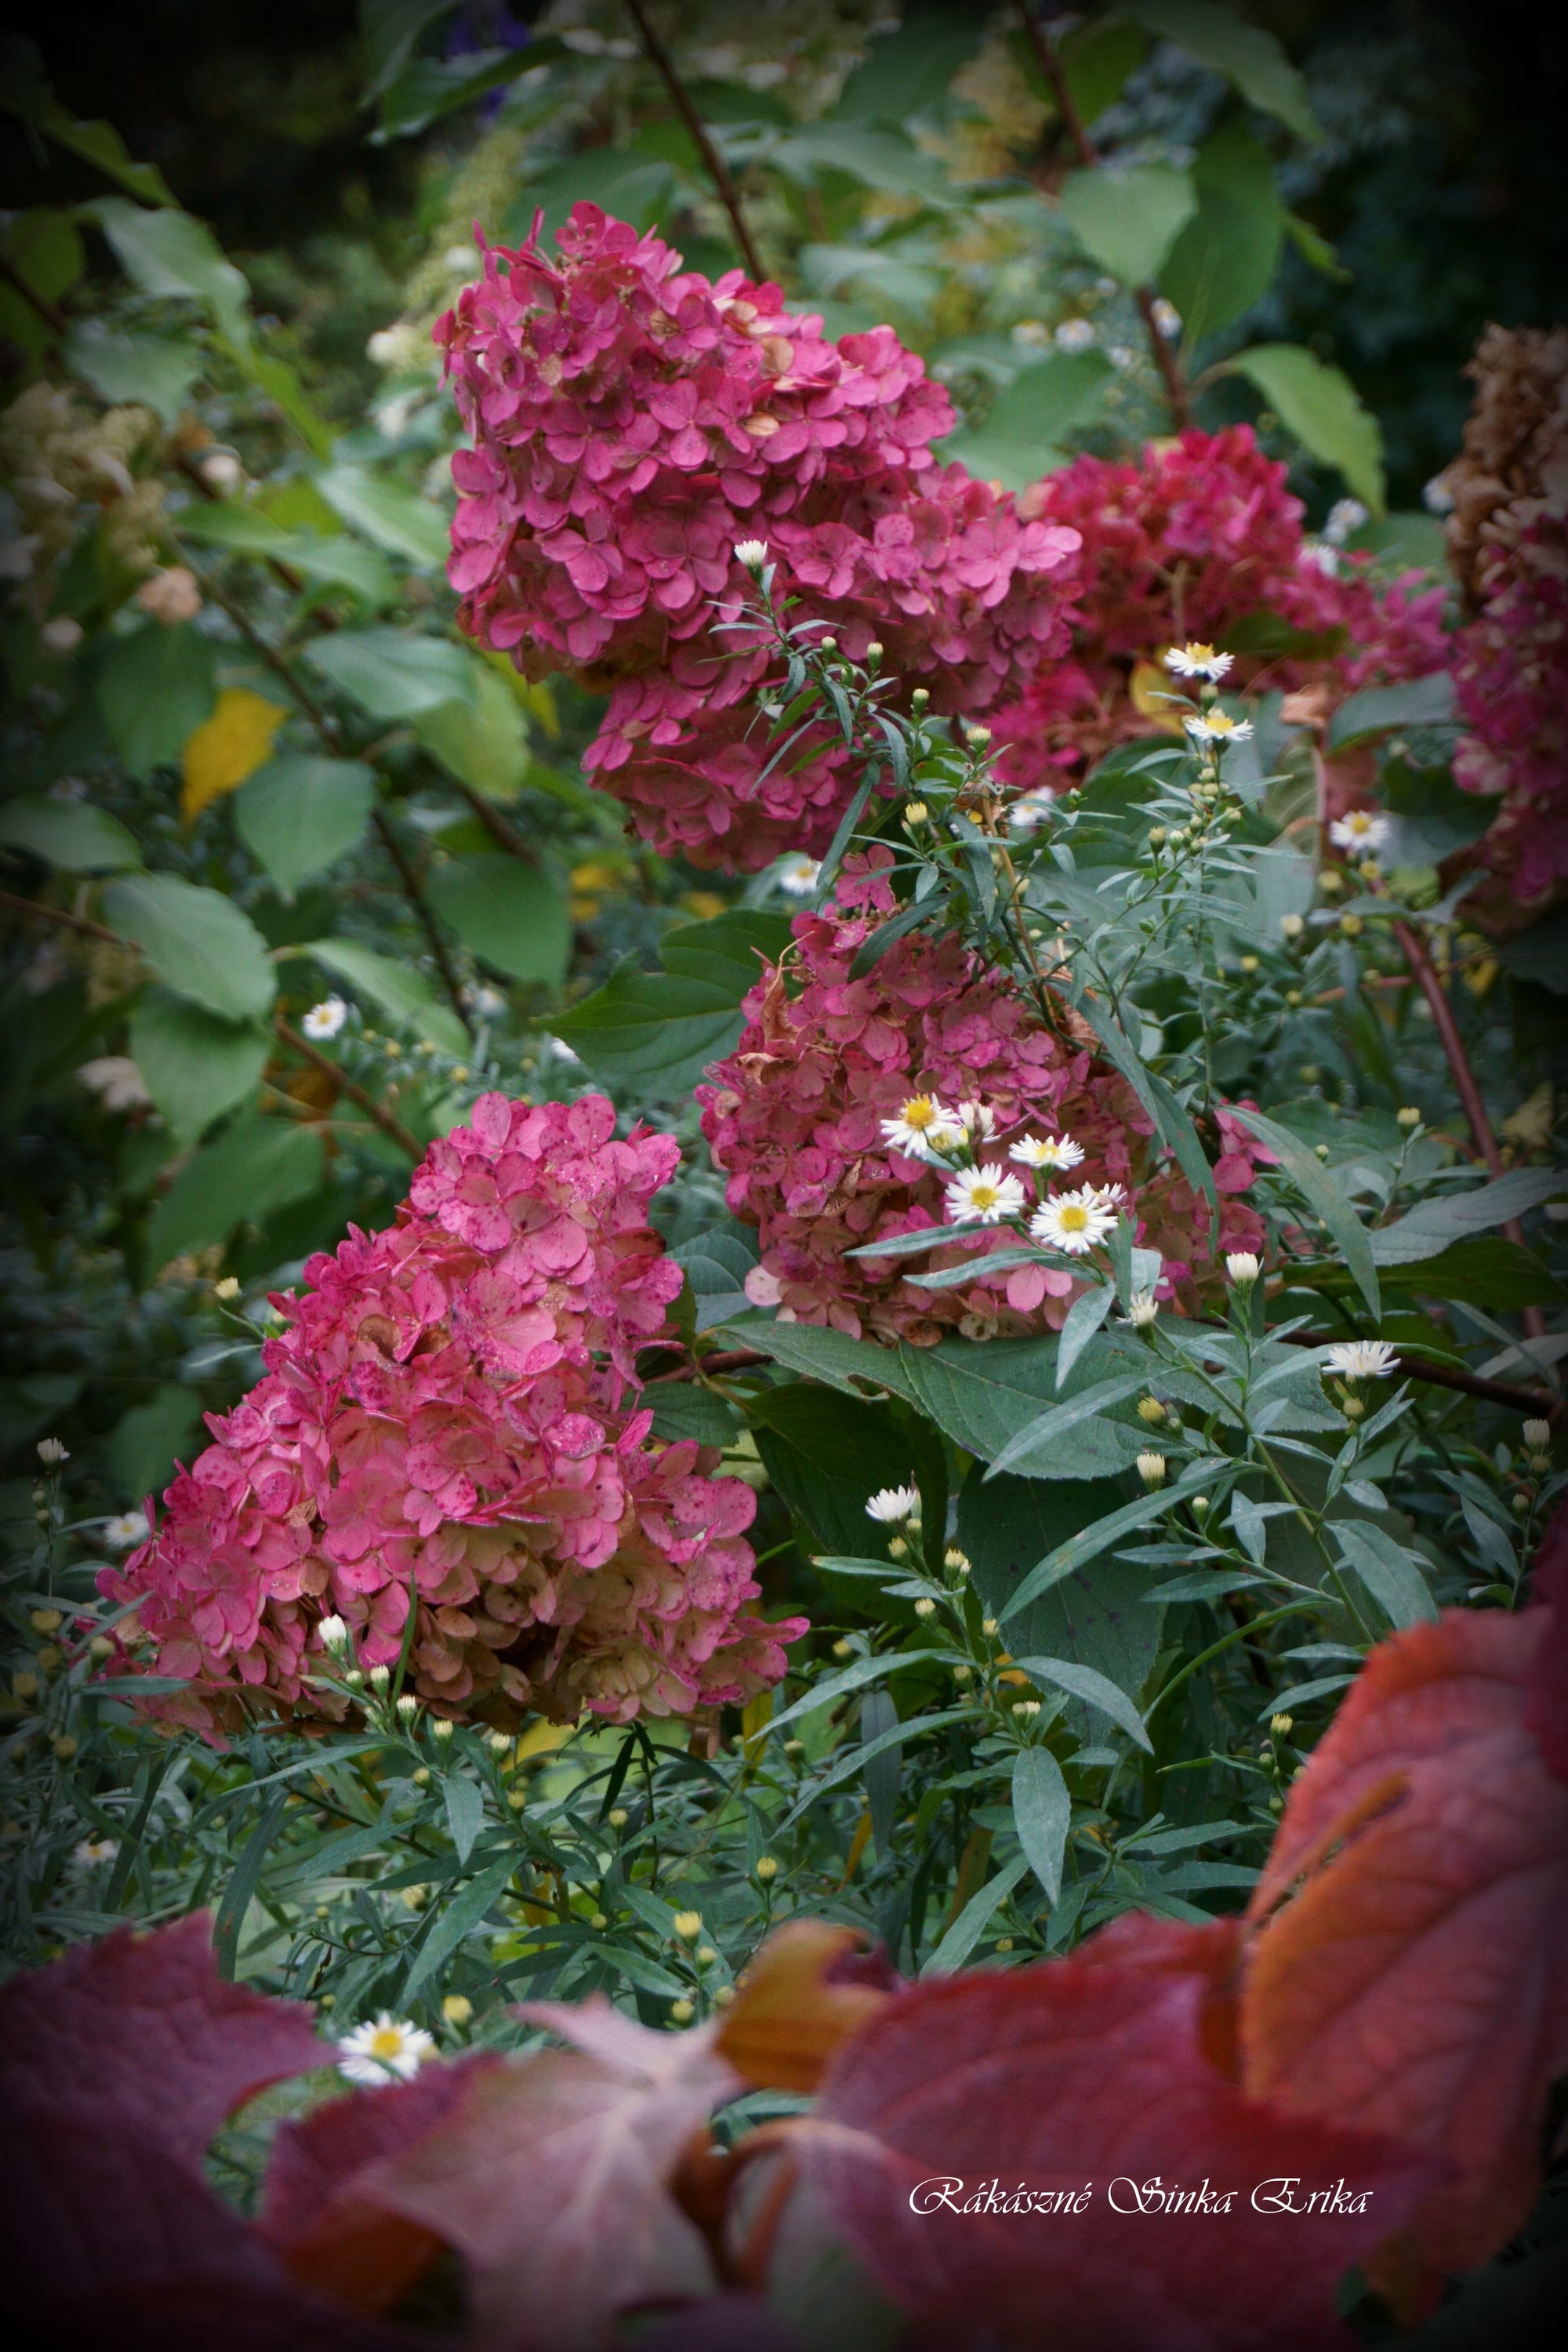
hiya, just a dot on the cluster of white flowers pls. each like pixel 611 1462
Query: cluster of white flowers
pixel 925 1128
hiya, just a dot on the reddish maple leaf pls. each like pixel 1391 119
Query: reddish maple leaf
pixel 550 2175
pixel 1417 1982
pixel 145 2024
pixel 1075 2073
pixel 1547 1713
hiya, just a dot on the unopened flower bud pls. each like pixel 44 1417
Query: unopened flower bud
pixel 1281 1725
pixel 1151 1469
pixel 682 2013
pixel 916 813
pixel 51 1452
pixel 842 1649
pixel 442 1727
pixel 1151 1410
pixel 1537 1435
pixel 1408 1117
pixel 1292 926
pixel 457 2008
pixel 408 1707
pixel 925 1606
pixel 1026 1709
pixel 64 1745
pixel 767 1868
pixel 619 1817
pixel 228 1288
pixel 688 1925
pixel 379 1680
pixel 956 1562
pixel 44 1620
pixel 100 1647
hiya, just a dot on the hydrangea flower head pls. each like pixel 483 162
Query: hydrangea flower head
pixel 449 1421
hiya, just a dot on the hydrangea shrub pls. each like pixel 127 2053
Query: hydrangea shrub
pixel 450 1419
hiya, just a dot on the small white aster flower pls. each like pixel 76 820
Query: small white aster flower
pixel 753 553
pixel 1122 356
pixel 93 1852
pixel 1105 1196
pixel 891 1506
pixel 1537 1435
pixel 1075 335
pixel 979 1120
pixel 1166 317
pixel 1358 829
pixel 334 1634
pixel 1195 659
pixel 1030 811
pixel 125 1528
pixel 918 1121
pixel 51 1452
pixel 1142 1312
pixel 1242 1266
pixel 1151 1469
pixel 1292 926
pixel 984 1196
pixel 1072 1222
pixel 797 877
pixel 1438 498
pixel 1217 727
pixel 390 2050
pixel 1046 1151
pixel 1361 1360
pixel 1322 557
pixel 487 1002
pixel 325 1020
pixel 1344 516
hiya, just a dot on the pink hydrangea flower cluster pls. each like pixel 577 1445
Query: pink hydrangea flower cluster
pixel 794 1118
pixel 632 422
pixel 1197 537
pixel 1510 678
pixel 450 1418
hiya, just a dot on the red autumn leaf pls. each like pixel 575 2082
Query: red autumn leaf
pixel 1417 1983
pixel 1069 2073
pixel 1547 1713
pixel 550 2175
pixel 312 2212
pixel 145 2024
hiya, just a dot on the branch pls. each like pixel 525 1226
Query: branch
pixel 1177 395
pixel 719 171
pixel 1544 1401
pixel 387 833
pixel 86 928
pixel 53 317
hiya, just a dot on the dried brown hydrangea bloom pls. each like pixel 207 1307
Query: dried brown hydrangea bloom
pixel 1515 453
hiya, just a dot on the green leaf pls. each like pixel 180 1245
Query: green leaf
pixel 1127 218
pixel 1175 1128
pixel 659 1031
pixel 833 1688
pixel 428 88
pixel 1432 1224
pixel 384 511
pixel 1495 1274
pixel 43 251
pixel 1015 444
pixel 195 1065
pixel 154 371
pixel 333 559
pixel 390 29
pixel 465 1811
pixel 169 253
pixel 100 143
pixel 827 1455
pixel 1395 1577
pixel 687 1409
pixel 1224 259
pixel 242 1884
pixel 973 1920
pixel 1043 1434
pixel 1091 1542
pixel 630 185
pixel 396 673
pixel 850 1366
pixel 147 1441
pixel 1323 1197
pixel 1422 702
pixel 1084 1318
pixel 716 1265
pixel 300 813
pixel 155 688
pixel 879 158
pixel 1094 1689
pixel 1042 1815
pixel 910 69
pixel 448 1928
pixel 1098 58
pixel 1321 406
pixel 982 1397
pixel 484 744
pixel 509 915
pixel 72 835
pixel 396 990
pixel 1246 55
pixel 197 941
pixel 254 1167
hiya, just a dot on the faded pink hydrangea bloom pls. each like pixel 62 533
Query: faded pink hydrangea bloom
pixel 452 1416
pixel 632 422
pixel 1511 676
pixel 1197 537
pixel 794 1118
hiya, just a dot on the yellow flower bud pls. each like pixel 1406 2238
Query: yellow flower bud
pixel 767 1868
pixel 457 2008
pixel 688 1925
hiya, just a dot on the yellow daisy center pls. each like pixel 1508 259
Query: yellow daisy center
pixel 1219 724
pixel 1073 1217
pixel 386 2042
pixel 1198 653
pixel 920 1113
pixel 984 1196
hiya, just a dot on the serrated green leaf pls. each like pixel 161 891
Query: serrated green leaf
pixel 1225 258
pixel 396 673
pixel 484 744
pixel 169 253
pixel 1245 53
pixel 1017 442
pixel 254 1167
pixel 195 1066
pixel 659 1030
pixel 298 815
pixel 387 513
pixel 197 941
pixel 1321 407
pixel 1127 217
pixel 155 688
pixel 395 989
pixel 70 834
pixel 139 365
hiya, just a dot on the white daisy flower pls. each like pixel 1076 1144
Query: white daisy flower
pixel 1438 498
pixel 891 1506
pixel 487 1002
pixel 1322 557
pixel 1151 1469
pixel 979 1120
pixel 1030 811
pixel 1075 335
pixel 753 553
pixel 796 877
pixel 1358 829
pixel 126 1528
pixel 984 1196
pixel 1105 1196
pixel 1344 516
pixel 1046 1151
pixel 1217 727
pixel 51 1452
pixel 1198 660
pixel 1142 1312
pixel 1072 1222
pixel 920 1121
pixel 1242 1266
pixel 1361 1360
pixel 389 2051
pixel 93 1852
pixel 324 1020
pixel 1122 356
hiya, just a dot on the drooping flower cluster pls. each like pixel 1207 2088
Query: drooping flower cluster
pixel 632 423
pixel 450 1419
pixel 820 1121
pixel 1198 536
pixel 1509 539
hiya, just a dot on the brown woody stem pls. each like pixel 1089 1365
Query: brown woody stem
pixel 719 171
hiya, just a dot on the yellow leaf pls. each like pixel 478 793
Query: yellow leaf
pixel 232 744
pixel 1149 690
